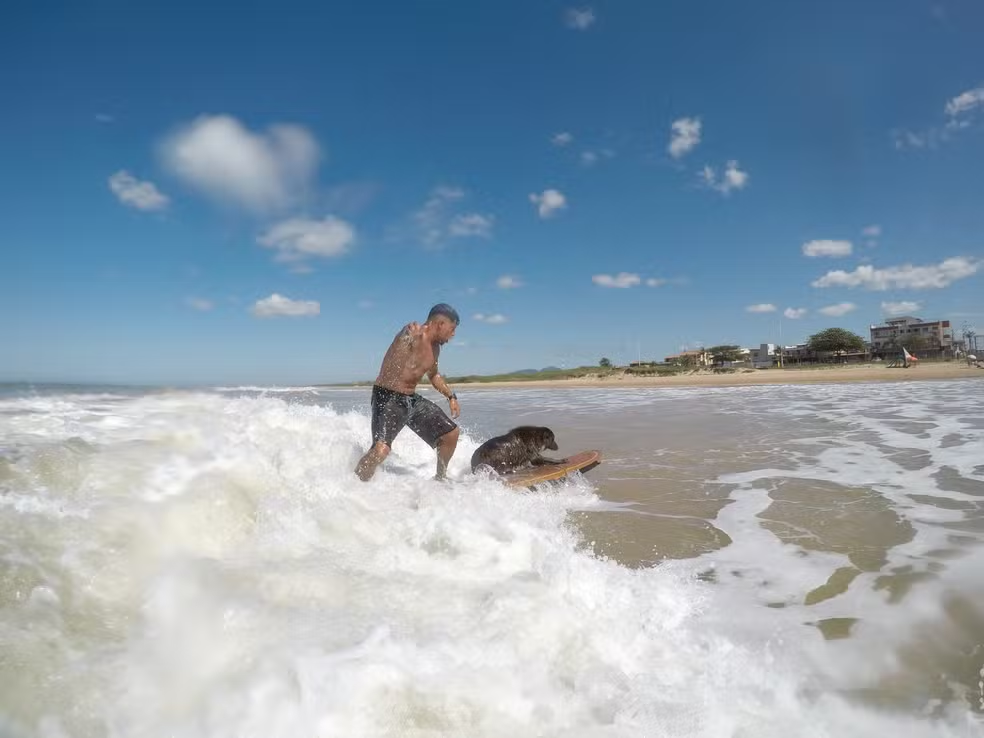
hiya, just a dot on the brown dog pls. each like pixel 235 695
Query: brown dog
pixel 517 449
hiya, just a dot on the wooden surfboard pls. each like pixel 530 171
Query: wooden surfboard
pixel 582 461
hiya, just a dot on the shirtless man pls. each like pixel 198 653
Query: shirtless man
pixel 395 402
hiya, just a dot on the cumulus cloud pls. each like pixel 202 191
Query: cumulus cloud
pixel 277 305
pixel 137 194
pixel 906 276
pixel 733 178
pixel 959 114
pixel 762 307
pixel 471 224
pixel 579 19
pixel 562 139
pixel 794 313
pixel 298 238
pixel 965 102
pixel 814 249
pixel 622 280
pixel 549 202
pixel 841 308
pixel 900 308
pixel 684 136
pixel 200 304
pixel 260 171
pixel 508 282
pixel 436 223
pixel 493 319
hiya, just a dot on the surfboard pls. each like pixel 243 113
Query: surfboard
pixel 581 461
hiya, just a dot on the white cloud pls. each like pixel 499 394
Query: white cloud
pixel 872 231
pixel 436 224
pixel 901 308
pixel 471 224
pixel 105 118
pixel 959 112
pixel 562 139
pixel 622 280
pixel 841 308
pixel 685 136
pixel 549 202
pixel 794 313
pixel 906 276
pixel 656 281
pixel 199 303
pixel 135 193
pixel 965 102
pixel 278 305
pixel 733 178
pixel 366 304
pixel 762 307
pixel 508 282
pixel 494 319
pixel 590 158
pixel 262 172
pixel 825 247
pixel 298 238
pixel 579 19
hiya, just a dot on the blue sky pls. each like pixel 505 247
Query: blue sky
pixel 193 193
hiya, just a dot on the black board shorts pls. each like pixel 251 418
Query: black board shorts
pixel 393 410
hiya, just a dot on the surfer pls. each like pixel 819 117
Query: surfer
pixel 395 402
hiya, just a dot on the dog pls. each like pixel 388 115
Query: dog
pixel 518 449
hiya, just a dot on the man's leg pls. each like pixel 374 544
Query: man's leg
pixel 446 445
pixel 371 460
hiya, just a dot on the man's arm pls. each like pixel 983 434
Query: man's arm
pixel 437 381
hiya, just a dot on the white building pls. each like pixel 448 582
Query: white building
pixel 934 337
pixel 764 356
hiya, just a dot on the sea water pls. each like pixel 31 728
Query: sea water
pixel 767 561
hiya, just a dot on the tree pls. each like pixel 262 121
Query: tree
pixel 836 340
pixel 722 354
pixel 605 363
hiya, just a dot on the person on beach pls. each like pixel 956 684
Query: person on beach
pixel 395 402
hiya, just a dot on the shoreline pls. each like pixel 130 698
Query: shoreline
pixel 760 377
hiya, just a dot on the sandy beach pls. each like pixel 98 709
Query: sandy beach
pixel 862 373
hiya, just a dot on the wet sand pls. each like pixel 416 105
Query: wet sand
pixel 861 373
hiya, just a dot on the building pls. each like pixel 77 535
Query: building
pixel 920 337
pixel 699 358
pixel 764 356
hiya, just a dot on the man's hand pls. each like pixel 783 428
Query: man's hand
pixel 455 409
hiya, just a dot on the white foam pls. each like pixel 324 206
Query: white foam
pixel 246 584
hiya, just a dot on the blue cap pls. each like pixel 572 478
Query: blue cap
pixel 442 308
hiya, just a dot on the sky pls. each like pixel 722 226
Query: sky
pixel 267 193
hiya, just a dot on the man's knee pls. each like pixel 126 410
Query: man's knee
pixel 450 438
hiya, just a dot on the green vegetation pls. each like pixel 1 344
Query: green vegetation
pixel 722 354
pixel 836 340
pixel 581 371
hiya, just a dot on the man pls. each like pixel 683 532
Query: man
pixel 395 403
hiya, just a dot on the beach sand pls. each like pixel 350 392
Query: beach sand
pixel 859 373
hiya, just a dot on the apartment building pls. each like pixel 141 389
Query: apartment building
pixel 934 337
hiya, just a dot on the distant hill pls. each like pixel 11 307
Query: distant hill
pixel 537 371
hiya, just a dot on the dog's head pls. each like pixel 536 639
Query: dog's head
pixel 537 436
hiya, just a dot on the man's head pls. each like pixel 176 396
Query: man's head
pixel 445 318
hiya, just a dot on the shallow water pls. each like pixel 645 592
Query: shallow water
pixel 759 561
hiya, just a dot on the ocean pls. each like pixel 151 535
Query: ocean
pixel 801 560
